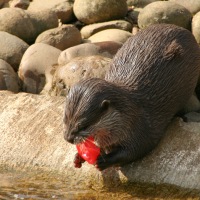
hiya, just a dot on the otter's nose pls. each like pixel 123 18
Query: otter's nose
pixel 70 136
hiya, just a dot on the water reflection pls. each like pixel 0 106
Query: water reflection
pixel 40 186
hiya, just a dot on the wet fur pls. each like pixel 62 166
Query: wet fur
pixel 150 79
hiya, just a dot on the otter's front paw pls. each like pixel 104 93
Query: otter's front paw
pixel 78 161
pixel 104 162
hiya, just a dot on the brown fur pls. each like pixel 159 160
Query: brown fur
pixel 151 78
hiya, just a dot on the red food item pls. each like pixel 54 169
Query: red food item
pixel 88 150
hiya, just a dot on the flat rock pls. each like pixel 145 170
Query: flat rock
pixel 62 37
pixel 32 139
pixel 115 35
pixel 105 49
pixel 8 77
pixel 12 49
pixel 90 30
pixel 89 12
pixel 164 12
pixel 35 61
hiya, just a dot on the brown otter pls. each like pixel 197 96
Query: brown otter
pixel 150 79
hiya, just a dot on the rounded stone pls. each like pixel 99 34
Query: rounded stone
pixel 8 77
pixel 115 35
pixel 62 8
pixel 90 30
pixel 164 12
pixel 12 49
pixel 4 3
pixel 26 25
pixel 78 69
pixel 140 3
pixel 16 22
pixel 192 5
pixel 132 16
pixel 193 105
pixel 196 27
pixel 89 12
pixel 42 21
pixel 62 37
pixel 105 49
pixel 23 4
pixel 35 61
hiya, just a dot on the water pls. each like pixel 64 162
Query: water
pixel 41 186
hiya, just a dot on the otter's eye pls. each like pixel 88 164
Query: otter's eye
pixel 105 104
pixel 80 127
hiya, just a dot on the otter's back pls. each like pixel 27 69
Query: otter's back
pixel 160 63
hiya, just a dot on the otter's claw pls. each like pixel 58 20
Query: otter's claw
pixel 78 161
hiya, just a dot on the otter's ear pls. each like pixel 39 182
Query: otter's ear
pixel 105 104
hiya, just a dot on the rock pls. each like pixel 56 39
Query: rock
pixel 8 77
pixel 90 12
pixel 42 21
pixel 12 49
pixel 132 16
pixel 90 30
pixel 192 117
pixel 140 3
pixel 196 27
pixel 135 30
pixel 63 8
pixel 193 105
pixel 49 74
pixel 23 4
pixel 16 22
pixel 78 69
pixel 62 37
pixel 26 25
pixel 35 61
pixel 3 3
pixel 192 5
pixel 105 49
pixel 115 35
pixel 32 139
pixel 164 12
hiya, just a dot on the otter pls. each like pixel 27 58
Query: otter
pixel 150 79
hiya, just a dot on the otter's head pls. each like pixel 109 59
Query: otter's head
pixel 96 107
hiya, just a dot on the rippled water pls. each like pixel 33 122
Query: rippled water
pixel 15 185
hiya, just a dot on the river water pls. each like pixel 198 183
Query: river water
pixel 31 186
